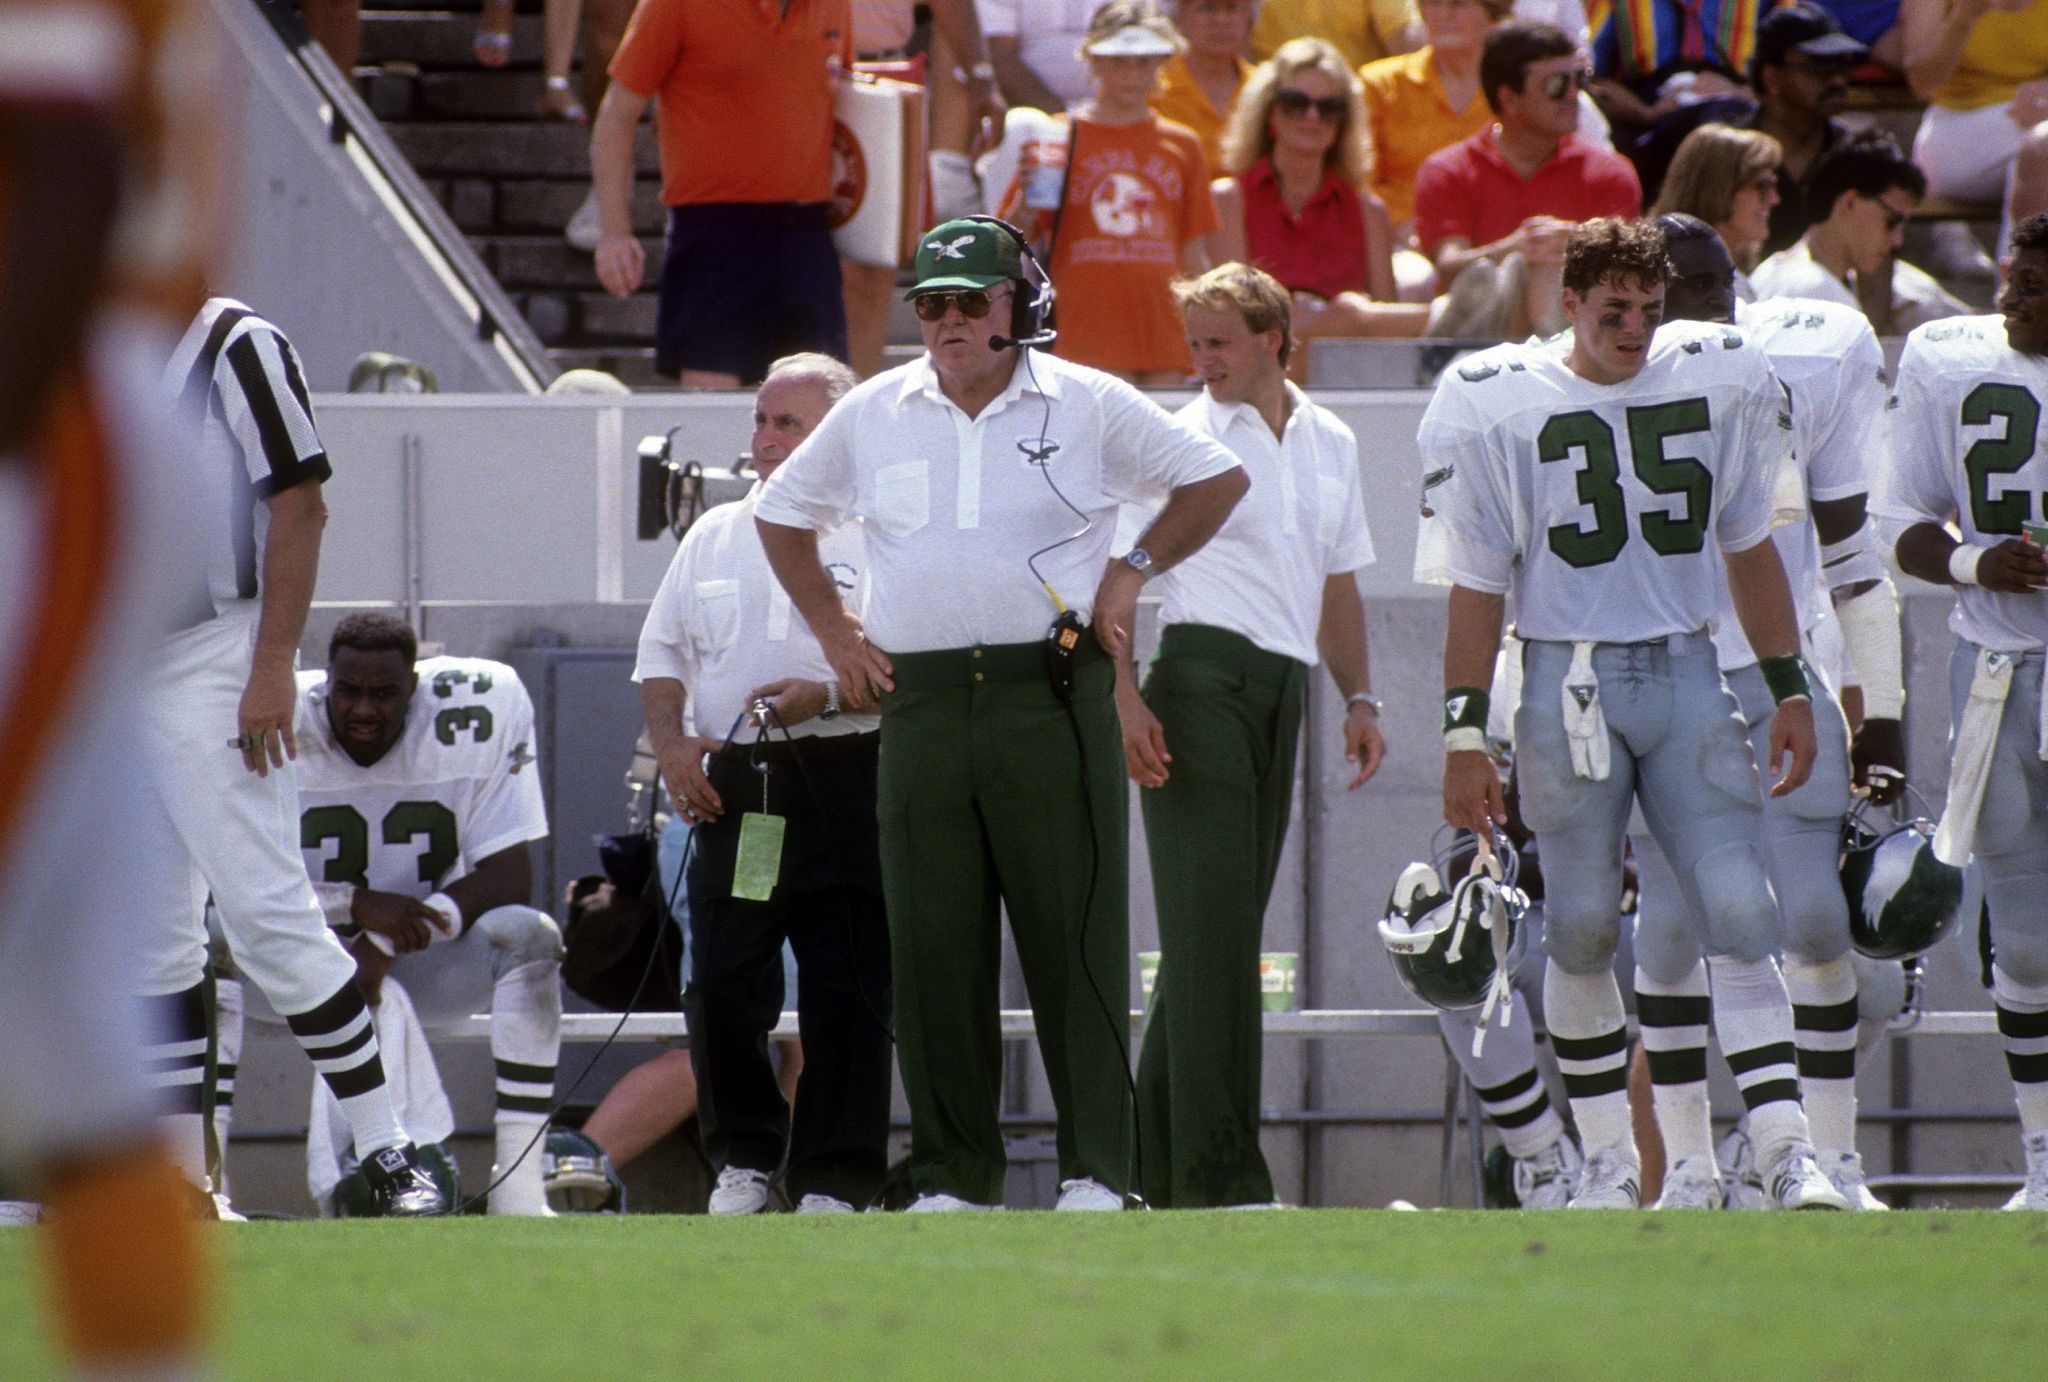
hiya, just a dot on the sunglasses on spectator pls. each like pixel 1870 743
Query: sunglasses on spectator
pixel 1893 217
pixel 972 302
pixel 1299 103
pixel 1821 68
pixel 1559 85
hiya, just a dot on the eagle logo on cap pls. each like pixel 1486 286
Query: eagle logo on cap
pixel 950 250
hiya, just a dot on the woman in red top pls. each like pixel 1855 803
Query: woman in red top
pixel 1296 203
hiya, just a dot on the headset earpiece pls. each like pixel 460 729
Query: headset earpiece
pixel 1032 304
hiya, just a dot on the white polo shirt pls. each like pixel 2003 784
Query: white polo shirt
pixel 721 624
pixel 1303 521
pixel 954 507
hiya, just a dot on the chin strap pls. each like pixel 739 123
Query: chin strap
pixel 1481 897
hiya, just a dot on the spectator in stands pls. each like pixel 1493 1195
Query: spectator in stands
pixel 1982 67
pixel 1503 202
pixel 1362 30
pixel 750 272
pixel 1295 203
pixel 1199 87
pixel 1861 196
pixel 1427 100
pixel 603 23
pixel 1652 58
pixel 337 26
pixel 1800 75
pixel 1729 179
pixel 1035 46
pixel 1133 211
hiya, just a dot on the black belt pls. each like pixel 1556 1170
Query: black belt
pixel 811 748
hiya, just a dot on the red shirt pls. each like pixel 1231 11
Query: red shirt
pixel 1470 190
pixel 1321 250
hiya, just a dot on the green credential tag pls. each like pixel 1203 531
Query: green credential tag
pixel 760 858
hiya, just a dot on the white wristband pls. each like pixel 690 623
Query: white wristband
pixel 1962 564
pixel 448 908
pixel 1464 739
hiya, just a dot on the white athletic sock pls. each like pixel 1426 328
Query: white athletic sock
pixel 338 1038
pixel 1674 1025
pixel 1824 1021
pixel 227 1028
pixel 1753 1019
pixel 1588 1035
pixel 526 1040
pixel 2023 1026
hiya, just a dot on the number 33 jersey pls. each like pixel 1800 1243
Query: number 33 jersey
pixel 1967 441
pixel 460 784
pixel 1593 504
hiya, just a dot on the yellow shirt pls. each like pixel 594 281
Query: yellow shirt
pixel 1182 98
pixel 1360 29
pixel 1410 119
pixel 2002 51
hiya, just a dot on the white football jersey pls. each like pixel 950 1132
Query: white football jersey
pixel 1967 444
pixel 1592 503
pixel 460 784
pixel 1829 361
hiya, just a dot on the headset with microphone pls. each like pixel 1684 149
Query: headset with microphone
pixel 1033 320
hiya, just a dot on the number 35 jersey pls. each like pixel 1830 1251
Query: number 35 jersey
pixel 1593 503
pixel 1967 441
pixel 460 784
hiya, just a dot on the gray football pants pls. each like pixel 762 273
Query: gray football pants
pixel 1677 749
pixel 1801 845
pixel 2012 826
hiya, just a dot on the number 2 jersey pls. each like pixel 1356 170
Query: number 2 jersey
pixel 1967 442
pixel 460 784
pixel 1592 503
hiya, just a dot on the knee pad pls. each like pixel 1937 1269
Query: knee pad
pixel 1739 917
pixel 1814 910
pixel 2020 948
pixel 521 935
pixel 1582 944
pixel 1880 988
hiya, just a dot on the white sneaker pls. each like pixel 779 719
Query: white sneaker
pixel 1844 1171
pixel 938 1202
pixel 2034 1194
pixel 1609 1181
pixel 582 232
pixel 1086 1194
pixel 1691 1184
pixel 19 1213
pixel 823 1204
pixel 740 1191
pixel 1549 1179
pixel 225 1211
pixel 1742 1185
pixel 1795 1181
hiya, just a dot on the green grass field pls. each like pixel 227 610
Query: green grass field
pixel 1335 1293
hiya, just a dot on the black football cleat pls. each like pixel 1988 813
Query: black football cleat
pixel 400 1187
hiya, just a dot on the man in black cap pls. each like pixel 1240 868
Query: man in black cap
pixel 1800 76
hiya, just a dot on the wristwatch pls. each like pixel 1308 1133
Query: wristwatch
pixel 1364 698
pixel 983 71
pixel 831 710
pixel 1139 560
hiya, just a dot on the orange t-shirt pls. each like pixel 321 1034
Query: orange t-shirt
pixel 744 94
pixel 1411 119
pixel 1182 98
pixel 1135 194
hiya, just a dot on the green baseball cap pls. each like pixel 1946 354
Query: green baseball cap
pixel 968 253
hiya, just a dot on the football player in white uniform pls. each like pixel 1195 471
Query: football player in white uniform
pixel 1967 443
pixel 1588 486
pixel 1829 361
pixel 419 806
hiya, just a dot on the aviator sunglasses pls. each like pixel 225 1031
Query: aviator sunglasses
pixel 1558 85
pixel 1300 103
pixel 973 303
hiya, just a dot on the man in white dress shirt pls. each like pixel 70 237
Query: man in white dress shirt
pixel 988 479
pixel 781 789
pixel 1214 734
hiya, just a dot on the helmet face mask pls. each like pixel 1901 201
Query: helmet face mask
pixel 1451 931
pixel 1902 900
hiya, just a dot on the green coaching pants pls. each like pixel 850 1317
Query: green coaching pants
pixel 1231 714
pixel 981 802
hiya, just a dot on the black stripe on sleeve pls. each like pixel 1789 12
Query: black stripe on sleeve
pixel 260 390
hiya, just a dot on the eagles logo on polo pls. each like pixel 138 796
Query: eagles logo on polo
pixel 456 787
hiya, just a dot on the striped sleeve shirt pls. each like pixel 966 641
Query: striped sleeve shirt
pixel 239 382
